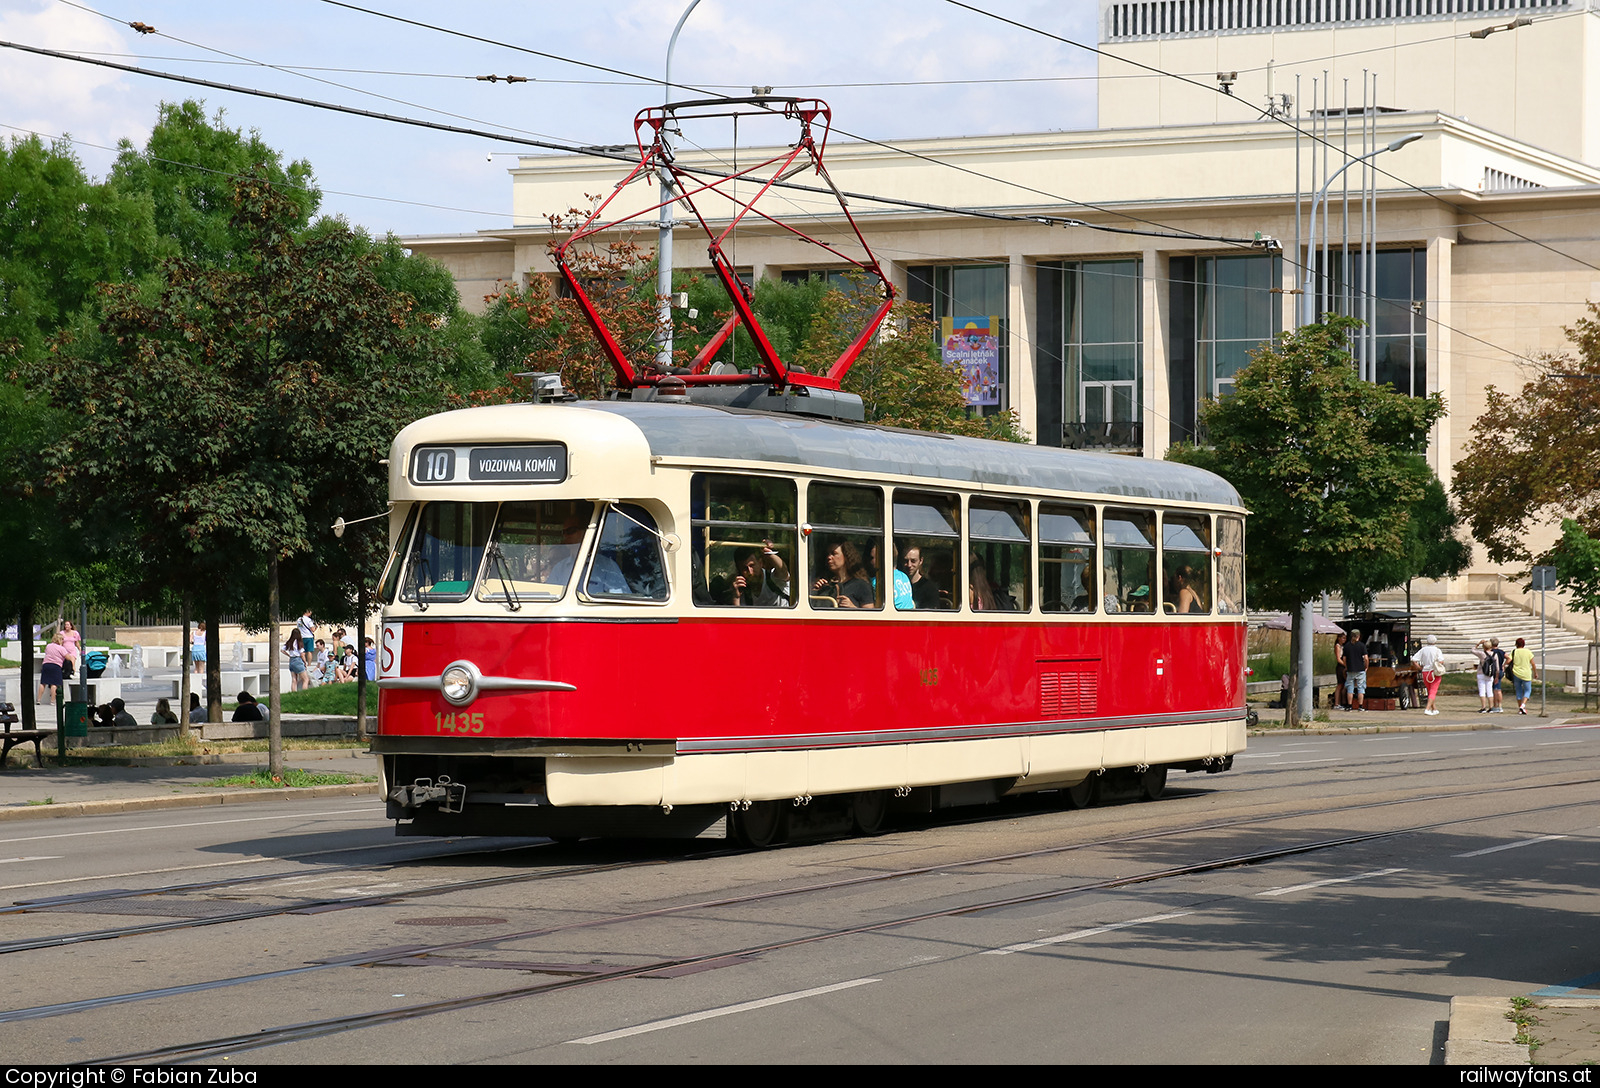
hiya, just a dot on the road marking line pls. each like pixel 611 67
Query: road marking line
pixel 1297 762
pixel 1491 747
pixel 1418 752
pixel 1325 883
pixel 369 810
pixel 1549 743
pixel 1509 846
pixel 727 1010
pixel 1079 934
pixel 51 857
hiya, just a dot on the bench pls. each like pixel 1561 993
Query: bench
pixel 13 737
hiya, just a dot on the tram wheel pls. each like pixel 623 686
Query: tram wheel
pixel 762 824
pixel 1083 794
pixel 868 810
pixel 1153 783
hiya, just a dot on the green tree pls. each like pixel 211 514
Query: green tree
pixel 60 234
pixel 1431 549
pixel 1577 561
pixel 236 408
pixel 1323 461
pixel 1534 456
pixel 187 169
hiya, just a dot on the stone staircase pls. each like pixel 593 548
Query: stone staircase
pixel 1460 624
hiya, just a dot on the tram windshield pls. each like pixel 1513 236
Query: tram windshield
pixel 519 552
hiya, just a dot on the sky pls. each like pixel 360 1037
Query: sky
pixel 959 73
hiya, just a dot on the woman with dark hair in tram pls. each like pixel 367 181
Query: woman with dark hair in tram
pixel 847 580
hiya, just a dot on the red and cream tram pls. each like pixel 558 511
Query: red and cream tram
pixel 648 617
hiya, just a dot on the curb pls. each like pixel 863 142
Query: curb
pixel 1480 1034
pixel 191 800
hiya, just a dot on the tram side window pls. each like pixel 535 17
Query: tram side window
pixel 1185 564
pixel 1067 572
pixel 845 545
pixel 627 560
pixel 1129 552
pixel 534 550
pixel 397 559
pixel 1000 563
pixel 744 533
pixel 1230 566
pixel 447 552
pixel 927 540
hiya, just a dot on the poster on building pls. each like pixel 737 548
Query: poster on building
pixel 972 344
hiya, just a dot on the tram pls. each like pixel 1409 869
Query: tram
pixel 646 618
pixel 720 599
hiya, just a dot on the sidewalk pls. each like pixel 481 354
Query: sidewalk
pixel 31 793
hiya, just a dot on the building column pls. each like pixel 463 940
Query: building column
pixel 895 273
pixel 1022 304
pixel 1155 310
pixel 1438 312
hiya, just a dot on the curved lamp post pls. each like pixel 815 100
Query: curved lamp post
pixel 664 237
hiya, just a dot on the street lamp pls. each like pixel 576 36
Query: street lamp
pixel 1308 316
pixel 664 236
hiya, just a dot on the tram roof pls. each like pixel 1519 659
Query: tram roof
pixel 693 432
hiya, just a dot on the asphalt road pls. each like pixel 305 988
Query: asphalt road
pixel 1352 885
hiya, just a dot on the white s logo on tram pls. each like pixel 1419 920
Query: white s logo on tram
pixel 389 650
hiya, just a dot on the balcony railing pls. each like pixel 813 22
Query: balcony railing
pixel 1102 436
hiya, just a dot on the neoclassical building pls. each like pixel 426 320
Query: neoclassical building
pixel 1480 240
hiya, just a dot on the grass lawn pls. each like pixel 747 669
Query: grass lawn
pixel 292 777
pixel 328 699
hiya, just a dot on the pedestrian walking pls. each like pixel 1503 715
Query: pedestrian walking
pixel 1523 673
pixel 1355 659
pixel 1430 668
pixel 50 674
pixel 1499 656
pixel 1488 676
pixel 197 648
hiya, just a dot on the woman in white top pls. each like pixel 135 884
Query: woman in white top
pixel 1428 661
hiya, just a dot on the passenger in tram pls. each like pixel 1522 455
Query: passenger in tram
pixel 980 594
pixel 847 580
pixel 763 579
pixel 1182 592
pixel 898 579
pixel 924 593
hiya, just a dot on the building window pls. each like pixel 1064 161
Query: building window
pixel 1223 308
pixel 1398 342
pixel 1089 361
pixel 963 291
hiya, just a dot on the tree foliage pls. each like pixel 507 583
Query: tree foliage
pixel 1535 456
pixel 60 234
pixel 1431 548
pixel 188 168
pixel 1325 463
pixel 1576 558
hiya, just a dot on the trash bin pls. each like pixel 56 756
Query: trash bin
pixel 76 723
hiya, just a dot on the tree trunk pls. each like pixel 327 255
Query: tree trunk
pixel 274 679
pixel 30 686
pixel 186 685
pixel 213 664
pixel 361 660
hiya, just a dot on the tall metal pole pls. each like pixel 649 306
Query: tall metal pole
pixel 664 236
pixel 1308 316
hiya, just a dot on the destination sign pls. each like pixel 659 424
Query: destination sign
pixel 544 463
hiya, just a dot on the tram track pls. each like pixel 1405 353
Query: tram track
pixel 413 954
pixel 227 1045
pixel 315 906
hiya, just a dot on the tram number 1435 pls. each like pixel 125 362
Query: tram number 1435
pixel 458 723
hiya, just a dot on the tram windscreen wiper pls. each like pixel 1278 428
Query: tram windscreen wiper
pixel 499 560
pixel 419 560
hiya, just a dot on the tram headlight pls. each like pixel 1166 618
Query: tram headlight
pixel 459 683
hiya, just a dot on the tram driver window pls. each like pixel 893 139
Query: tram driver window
pixel 1067 572
pixel 927 539
pixel 627 558
pixel 845 544
pixel 1000 566
pixel 1129 552
pixel 744 534
pixel 534 551
pixel 1185 564
pixel 397 559
pixel 446 552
